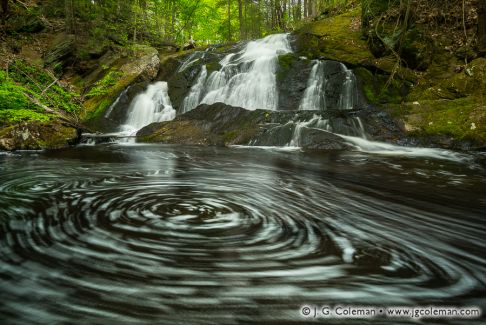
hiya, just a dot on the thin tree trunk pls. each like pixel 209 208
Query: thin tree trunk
pixel 229 20
pixel 482 26
pixel 4 7
pixel 299 9
pixel 69 14
pixel 240 19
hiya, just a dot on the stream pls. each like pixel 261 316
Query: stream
pixel 124 233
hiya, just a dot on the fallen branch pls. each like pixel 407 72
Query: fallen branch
pixel 52 83
pixel 72 121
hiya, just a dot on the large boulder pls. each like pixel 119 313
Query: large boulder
pixel 37 135
pixel 219 124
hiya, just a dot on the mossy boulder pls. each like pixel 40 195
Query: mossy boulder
pixel 336 38
pixel 458 123
pixel 37 135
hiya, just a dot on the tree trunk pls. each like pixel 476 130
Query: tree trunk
pixel 4 7
pixel 229 20
pixel 482 26
pixel 68 7
pixel 240 18
pixel 299 9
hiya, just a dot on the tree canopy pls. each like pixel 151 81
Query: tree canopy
pixel 206 21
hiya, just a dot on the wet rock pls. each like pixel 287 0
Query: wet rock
pixel 220 124
pixel 292 75
pixel 37 135
pixel 316 139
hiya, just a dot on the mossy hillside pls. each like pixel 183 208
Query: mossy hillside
pixel 443 81
pixel 447 103
pixel 26 88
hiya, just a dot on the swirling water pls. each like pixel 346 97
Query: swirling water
pixel 159 234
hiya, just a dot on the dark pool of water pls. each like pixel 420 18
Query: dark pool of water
pixel 158 234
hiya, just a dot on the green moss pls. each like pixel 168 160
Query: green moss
pixel 213 66
pixel 461 119
pixel 377 91
pixel 18 115
pixel 102 86
pixel 99 108
pixel 230 136
pixel 336 38
pixel 39 84
pixel 284 64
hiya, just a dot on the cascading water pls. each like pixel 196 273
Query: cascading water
pixel 314 95
pixel 319 84
pixel 192 100
pixel 314 98
pixel 246 79
pixel 349 93
pixel 112 106
pixel 153 105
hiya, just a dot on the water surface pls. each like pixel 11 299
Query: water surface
pixel 160 234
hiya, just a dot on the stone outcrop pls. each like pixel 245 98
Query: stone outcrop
pixel 37 135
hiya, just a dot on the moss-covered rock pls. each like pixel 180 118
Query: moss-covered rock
pixel 141 65
pixel 37 135
pixel 378 90
pixel 454 121
pixel 335 38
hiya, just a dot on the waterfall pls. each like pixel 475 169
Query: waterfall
pixel 153 105
pixel 246 79
pixel 113 105
pixel 315 122
pixel 191 59
pixel 314 95
pixel 349 92
pixel 192 100
pixel 321 82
